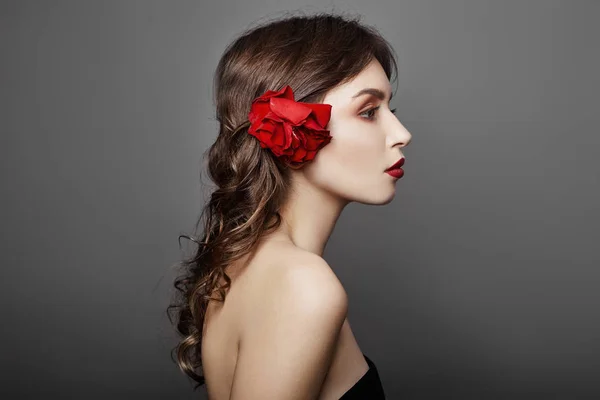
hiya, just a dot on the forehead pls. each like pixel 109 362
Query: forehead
pixel 373 76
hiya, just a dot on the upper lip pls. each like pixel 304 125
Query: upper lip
pixel 397 164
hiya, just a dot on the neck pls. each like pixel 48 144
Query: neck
pixel 309 216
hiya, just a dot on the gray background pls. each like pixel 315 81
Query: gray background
pixel 479 281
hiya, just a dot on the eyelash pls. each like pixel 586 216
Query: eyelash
pixel 375 109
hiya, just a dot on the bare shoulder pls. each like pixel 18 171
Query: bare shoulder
pixel 298 277
pixel 287 346
pixel 309 277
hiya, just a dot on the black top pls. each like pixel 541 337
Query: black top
pixel 368 387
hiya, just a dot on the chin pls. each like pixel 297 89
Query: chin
pixel 388 199
pixel 378 199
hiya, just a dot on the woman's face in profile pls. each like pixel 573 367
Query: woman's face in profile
pixel 367 138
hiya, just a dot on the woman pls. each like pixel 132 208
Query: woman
pixel 305 129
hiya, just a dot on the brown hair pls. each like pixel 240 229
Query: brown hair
pixel 310 53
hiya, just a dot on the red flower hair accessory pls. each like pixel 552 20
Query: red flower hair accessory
pixel 294 131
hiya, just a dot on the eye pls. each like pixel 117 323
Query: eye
pixel 371 113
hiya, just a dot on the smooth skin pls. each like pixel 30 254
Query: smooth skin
pixel 286 350
pixel 283 331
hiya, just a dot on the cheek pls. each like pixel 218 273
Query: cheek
pixel 355 146
pixel 351 160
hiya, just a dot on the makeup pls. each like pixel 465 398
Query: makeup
pixel 395 169
pixel 396 173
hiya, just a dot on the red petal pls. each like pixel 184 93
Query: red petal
pixel 285 92
pixel 290 110
pixel 279 137
pixel 265 125
pixel 321 112
pixel 299 154
pixel 312 124
pixel 258 111
pixel 289 134
pixel 272 116
pixel 288 93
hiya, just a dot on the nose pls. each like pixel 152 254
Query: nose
pixel 398 134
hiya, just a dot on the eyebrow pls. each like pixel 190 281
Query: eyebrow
pixel 374 92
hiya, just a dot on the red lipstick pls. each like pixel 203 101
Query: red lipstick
pixel 395 169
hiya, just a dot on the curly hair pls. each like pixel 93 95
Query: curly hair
pixel 310 53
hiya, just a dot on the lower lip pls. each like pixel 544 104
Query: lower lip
pixel 396 173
